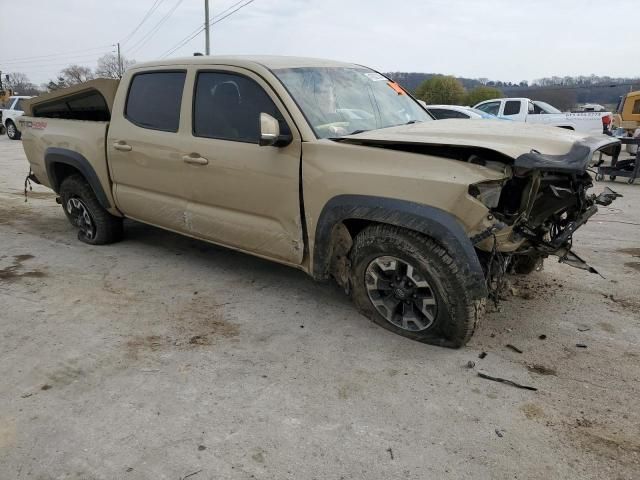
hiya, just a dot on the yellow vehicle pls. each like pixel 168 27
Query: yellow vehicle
pixel 627 114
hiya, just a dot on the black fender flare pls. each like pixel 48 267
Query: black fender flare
pixel 55 155
pixel 443 227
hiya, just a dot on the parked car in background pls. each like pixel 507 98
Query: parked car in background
pixel 9 115
pixel 533 111
pixel 328 167
pixel 442 112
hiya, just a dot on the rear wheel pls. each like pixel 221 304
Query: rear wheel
pixel 96 226
pixel 408 284
pixel 12 131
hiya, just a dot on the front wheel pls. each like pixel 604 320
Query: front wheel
pixel 410 285
pixel 12 131
pixel 95 225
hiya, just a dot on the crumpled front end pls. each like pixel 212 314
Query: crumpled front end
pixel 535 212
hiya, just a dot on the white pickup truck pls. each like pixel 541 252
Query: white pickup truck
pixel 533 111
pixel 10 113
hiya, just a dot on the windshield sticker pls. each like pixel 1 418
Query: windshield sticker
pixel 375 77
pixel 396 87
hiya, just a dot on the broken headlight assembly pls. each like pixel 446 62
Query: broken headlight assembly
pixel 487 192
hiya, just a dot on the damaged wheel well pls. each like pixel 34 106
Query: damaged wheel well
pixel 344 216
pixel 61 162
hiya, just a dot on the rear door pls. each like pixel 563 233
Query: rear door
pixel 146 139
pixel 241 194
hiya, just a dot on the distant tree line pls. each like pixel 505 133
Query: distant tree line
pixel 562 92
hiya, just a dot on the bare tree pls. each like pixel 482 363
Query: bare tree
pixel 74 74
pixel 19 82
pixel 108 66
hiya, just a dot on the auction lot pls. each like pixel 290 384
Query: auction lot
pixel 162 357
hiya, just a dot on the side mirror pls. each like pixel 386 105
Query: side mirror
pixel 269 130
pixel 270 133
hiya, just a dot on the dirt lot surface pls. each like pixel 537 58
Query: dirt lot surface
pixel 162 357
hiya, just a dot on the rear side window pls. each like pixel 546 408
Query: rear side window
pixel 441 113
pixel 154 100
pixel 512 107
pixel 227 106
pixel 636 107
pixel 491 108
pixel 89 105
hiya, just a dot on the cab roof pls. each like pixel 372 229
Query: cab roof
pixel 268 61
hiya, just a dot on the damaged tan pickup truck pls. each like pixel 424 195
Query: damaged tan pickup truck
pixel 324 166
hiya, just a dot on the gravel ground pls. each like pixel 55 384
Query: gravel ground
pixel 162 357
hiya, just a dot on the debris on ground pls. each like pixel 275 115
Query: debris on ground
pixel 541 369
pixel 508 382
pixel 542 337
pixel 482 355
pixel 499 433
pixel 584 329
pixel 190 474
pixel 471 364
pixel 581 345
pixel 390 450
pixel 514 348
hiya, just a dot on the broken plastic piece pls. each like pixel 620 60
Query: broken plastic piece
pixel 607 197
pixel 573 260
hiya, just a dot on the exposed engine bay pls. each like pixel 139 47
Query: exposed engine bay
pixel 534 211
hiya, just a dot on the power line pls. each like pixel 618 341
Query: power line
pixel 150 12
pixel 153 31
pixel 197 31
pixel 218 18
pixel 32 58
pixel 55 61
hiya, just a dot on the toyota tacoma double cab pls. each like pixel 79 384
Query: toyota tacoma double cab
pixel 328 167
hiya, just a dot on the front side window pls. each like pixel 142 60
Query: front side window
pixel 512 107
pixel 227 106
pixel 338 101
pixel 491 108
pixel 154 100
pixel 636 107
pixel 19 104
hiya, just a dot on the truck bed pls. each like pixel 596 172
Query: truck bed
pixel 75 120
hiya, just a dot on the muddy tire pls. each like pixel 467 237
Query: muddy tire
pixel 524 265
pixel 12 131
pixel 96 225
pixel 408 284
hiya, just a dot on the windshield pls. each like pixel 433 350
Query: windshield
pixel 546 108
pixel 338 101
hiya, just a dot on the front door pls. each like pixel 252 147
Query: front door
pixel 241 194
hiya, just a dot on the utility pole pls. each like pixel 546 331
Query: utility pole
pixel 119 62
pixel 206 27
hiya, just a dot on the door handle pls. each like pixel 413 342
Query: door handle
pixel 122 146
pixel 195 159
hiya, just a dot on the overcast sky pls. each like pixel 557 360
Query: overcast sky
pixel 509 40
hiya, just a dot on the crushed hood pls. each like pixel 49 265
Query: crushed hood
pixel 530 146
